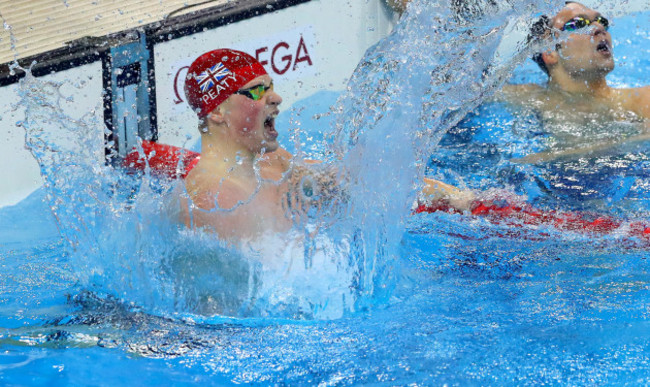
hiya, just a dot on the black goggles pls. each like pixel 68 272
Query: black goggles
pixel 580 22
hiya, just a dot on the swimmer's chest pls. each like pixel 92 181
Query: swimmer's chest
pixel 263 211
pixel 578 123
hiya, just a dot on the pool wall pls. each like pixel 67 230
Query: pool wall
pixel 130 80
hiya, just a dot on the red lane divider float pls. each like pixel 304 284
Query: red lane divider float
pixel 173 162
pixel 518 215
pixel 167 161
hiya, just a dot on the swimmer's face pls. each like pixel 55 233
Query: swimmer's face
pixel 250 115
pixel 588 51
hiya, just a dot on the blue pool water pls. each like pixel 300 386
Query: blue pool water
pixel 570 312
pixel 469 303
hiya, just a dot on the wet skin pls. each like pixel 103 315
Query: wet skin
pixel 227 195
pixel 587 54
pixel 577 94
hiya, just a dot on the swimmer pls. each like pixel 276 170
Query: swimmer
pixel 577 90
pixel 576 69
pixel 245 184
pixel 577 66
pixel 582 115
pixel 238 187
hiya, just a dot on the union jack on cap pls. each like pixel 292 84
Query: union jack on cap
pixel 211 76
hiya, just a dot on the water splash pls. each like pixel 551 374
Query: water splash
pixel 438 64
pixel 122 230
pixel 12 40
pixel 124 238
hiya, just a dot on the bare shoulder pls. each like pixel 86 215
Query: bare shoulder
pixel 521 90
pixel 273 165
pixel 637 99
pixel 637 93
pixel 519 93
pixel 207 191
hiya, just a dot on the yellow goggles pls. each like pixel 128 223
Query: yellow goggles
pixel 256 92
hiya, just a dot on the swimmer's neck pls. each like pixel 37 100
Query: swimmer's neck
pixel 595 87
pixel 223 152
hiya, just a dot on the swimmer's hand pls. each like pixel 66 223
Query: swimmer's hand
pixel 435 190
pixel 315 189
pixel 315 180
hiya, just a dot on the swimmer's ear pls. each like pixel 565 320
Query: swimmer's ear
pixel 550 58
pixel 217 116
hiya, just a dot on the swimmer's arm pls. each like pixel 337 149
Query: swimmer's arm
pixel 626 145
pixel 283 157
pixel 326 183
pixel 314 176
pixel 435 190
pixel 278 158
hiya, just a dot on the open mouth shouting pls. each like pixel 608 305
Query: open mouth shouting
pixel 269 126
pixel 604 47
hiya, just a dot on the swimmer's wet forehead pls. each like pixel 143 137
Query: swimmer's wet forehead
pixel 571 11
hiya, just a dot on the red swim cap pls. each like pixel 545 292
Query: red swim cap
pixel 216 75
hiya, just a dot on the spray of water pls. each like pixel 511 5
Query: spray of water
pixel 122 230
pixel 12 38
pixel 441 61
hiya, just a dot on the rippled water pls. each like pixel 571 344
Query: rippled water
pixel 572 311
pixel 466 301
